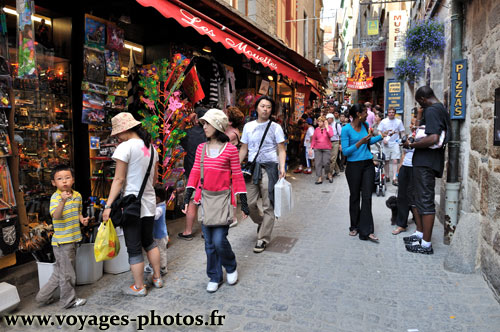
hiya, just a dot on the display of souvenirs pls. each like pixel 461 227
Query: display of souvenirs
pixel 95 33
pixel 26 40
pixel 93 100
pixel 95 142
pixel 7 197
pixel 115 38
pixel 117 86
pixel 94 66
pixel 116 102
pixel 93 116
pixel 92 87
pixel 112 63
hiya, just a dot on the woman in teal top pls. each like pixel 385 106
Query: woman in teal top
pixel 356 139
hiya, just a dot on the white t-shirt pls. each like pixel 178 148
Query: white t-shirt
pixel 408 157
pixel 395 125
pixel 307 138
pixel 252 135
pixel 337 131
pixel 137 156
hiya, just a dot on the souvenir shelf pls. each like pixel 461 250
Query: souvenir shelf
pixel 43 132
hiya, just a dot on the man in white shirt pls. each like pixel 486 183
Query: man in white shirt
pixel 394 127
pixel 337 130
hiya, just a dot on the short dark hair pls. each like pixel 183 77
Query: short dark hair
pixel 62 167
pixel 220 136
pixel 160 192
pixel 425 92
pixel 273 104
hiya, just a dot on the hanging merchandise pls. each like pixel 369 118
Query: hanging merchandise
pixel 117 86
pixel 94 66
pixel 26 39
pixel 95 33
pixel 192 87
pixel 4 38
pixel 112 63
pixel 115 38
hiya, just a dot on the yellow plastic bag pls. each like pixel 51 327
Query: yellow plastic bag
pixel 107 245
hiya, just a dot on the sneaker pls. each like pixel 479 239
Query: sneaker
pixel 148 269
pixel 157 283
pixel 417 248
pixel 307 171
pixel 232 278
pixel 135 292
pixel 78 302
pixel 213 286
pixel 163 271
pixel 412 238
pixel 298 170
pixel 259 247
pixel 233 223
pixel 188 237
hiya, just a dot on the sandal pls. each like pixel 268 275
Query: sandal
pixel 330 180
pixel 373 238
pixel 398 230
pixel 353 233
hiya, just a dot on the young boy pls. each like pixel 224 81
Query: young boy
pixel 66 212
pixel 160 234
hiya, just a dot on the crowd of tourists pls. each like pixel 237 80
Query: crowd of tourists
pixel 332 140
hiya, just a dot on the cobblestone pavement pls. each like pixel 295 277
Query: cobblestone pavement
pixel 329 281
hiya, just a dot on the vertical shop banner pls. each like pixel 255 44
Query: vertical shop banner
pixel 26 40
pixel 398 23
pixel 361 69
pixel 458 89
pixel 299 104
pixel 372 27
pixel 394 96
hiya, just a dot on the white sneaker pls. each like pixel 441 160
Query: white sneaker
pixel 232 278
pixel 234 223
pixel 212 287
pixel 78 302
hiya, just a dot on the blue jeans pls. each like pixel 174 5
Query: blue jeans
pixel 219 252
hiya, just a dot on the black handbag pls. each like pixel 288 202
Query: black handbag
pixel 248 168
pixel 128 208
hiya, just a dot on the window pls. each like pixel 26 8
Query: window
pixel 243 7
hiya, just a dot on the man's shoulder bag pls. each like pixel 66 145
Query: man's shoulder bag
pixel 248 168
pixel 215 208
pixel 128 208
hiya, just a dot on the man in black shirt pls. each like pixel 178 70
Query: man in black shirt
pixel 428 163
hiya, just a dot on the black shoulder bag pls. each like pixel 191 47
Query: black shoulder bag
pixel 248 168
pixel 128 208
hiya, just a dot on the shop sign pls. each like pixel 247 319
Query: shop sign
pixel 206 26
pixel 372 27
pixel 361 68
pixel 458 89
pixel 398 22
pixel 394 95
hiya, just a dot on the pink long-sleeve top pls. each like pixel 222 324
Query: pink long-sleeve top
pixel 321 138
pixel 222 172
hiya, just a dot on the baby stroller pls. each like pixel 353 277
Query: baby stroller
pixel 379 159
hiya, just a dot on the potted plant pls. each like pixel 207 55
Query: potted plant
pixel 425 38
pixel 409 69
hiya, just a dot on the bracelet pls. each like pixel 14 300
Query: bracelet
pixel 107 207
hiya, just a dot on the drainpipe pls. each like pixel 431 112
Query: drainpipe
pixel 452 181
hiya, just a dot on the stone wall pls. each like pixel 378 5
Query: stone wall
pixel 481 160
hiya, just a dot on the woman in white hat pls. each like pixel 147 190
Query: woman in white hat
pixel 221 173
pixel 133 157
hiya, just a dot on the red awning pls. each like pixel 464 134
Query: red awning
pixel 314 86
pixel 204 25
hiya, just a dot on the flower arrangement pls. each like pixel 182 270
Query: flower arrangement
pixel 409 69
pixel 425 38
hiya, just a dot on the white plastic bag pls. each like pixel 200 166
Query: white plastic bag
pixel 283 198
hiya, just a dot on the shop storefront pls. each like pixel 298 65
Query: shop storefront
pixel 90 63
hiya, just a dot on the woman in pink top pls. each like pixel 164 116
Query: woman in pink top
pixel 322 146
pixel 221 171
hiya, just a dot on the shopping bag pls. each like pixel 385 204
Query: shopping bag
pixel 107 245
pixel 283 198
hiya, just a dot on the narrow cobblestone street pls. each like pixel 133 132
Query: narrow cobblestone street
pixel 328 281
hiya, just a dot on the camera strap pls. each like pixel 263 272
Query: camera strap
pixel 262 140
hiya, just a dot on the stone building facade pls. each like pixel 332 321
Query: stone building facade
pixel 478 229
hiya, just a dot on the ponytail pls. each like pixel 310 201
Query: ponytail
pixel 143 134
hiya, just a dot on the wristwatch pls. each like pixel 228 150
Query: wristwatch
pixel 107 207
